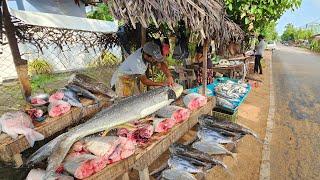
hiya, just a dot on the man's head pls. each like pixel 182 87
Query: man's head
pixel 152 53
pixel 260 37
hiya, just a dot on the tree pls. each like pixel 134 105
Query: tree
pixel 253 14
pixel 289 32
pixel 269 31
pixel 292 33
pixel 101 12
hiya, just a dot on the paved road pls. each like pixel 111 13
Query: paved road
pixel 295 145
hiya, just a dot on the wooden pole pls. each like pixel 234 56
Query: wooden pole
pixel 143 35
pixel 205 65
pixel 20 65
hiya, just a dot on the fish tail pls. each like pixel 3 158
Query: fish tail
pixel 45 151
pixel 234 156
pixel 32 136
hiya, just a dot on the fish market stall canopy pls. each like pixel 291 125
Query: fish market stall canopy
pixel 205 18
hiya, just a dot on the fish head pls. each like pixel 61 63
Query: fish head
pixel 172 94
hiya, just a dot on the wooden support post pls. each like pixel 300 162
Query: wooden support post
pixel 21 65
pixel 144 174
pixel 205 65
pixel 143 35
pixel 124 176
pixel 18 160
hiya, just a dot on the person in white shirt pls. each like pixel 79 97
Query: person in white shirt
pixel 136 65
pixel 259 51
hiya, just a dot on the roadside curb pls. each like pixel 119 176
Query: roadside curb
pixel 265 161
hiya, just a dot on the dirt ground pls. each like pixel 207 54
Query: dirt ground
pixel 253 114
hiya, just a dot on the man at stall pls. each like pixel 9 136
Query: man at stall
pixel 135 66
pixel 259 50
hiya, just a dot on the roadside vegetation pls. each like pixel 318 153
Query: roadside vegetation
pixel 300 37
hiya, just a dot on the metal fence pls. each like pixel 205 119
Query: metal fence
pixel 50 69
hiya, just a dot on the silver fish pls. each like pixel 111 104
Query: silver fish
pixel 206 120
pixel 71 97
pixel 206 134
pixel 212 148
pixel 179 163
pixel 126 110
pixel 174 174
pixel 82 92
pixel 91 84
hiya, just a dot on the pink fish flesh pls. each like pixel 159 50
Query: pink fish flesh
pixel 56 96
pixel 163 124
pixel 194 101
pixel 58 108
pixel 14 123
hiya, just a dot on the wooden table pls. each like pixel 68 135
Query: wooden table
pixel 228 69
pixel 159 143
pixel 10 149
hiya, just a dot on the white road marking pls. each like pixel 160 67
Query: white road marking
pixel 265 162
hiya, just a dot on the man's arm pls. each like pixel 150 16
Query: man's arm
pixel 148 82
pixel 164 68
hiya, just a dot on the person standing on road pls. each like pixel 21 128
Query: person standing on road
pixel 259 50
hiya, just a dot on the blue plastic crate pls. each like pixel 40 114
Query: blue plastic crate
pixel 212 88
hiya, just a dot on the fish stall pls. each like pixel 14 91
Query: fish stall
pixel 47 115
pixel 120 142
pixel 215 140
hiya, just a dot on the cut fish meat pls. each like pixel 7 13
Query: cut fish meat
pixel 14 123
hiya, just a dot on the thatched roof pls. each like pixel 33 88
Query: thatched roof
pixel 205 17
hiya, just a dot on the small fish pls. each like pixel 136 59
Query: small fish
pixel 212 148
pixel 83 92
pixel 179 163
pixel 92 85
pixel 226 125
pixel 176 174
pixel 187 151
pixel 71 97
pixel 205 134
pixel 225 103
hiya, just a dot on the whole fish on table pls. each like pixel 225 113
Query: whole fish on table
pixel 82 92
pixel 179 163
pixel 71 97
pixel 126 110
pixel 91 84
pixel 176 174
pixel 226 125
pixel 205 134
pixel 188 151
pixel 212 148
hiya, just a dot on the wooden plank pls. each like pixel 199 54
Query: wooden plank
pixel 20 65
pixel 10 147
pixel 205 66
pixel 144 174
pixel 159 143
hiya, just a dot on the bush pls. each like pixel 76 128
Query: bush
pixel 106 59
pixel 315 45
pixel 39 66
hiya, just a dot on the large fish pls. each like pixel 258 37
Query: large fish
pixel 91 84
pixel 126 110
pixel 207 120
pixel 176 162
pixel 187 151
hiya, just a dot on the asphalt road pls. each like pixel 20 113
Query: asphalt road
pixel 295 144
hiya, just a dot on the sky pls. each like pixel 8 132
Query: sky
pixel 309 11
